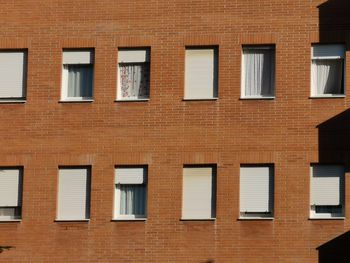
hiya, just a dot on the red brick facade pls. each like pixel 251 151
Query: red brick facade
pixel 167 132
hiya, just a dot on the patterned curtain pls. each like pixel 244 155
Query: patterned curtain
pixel 134 80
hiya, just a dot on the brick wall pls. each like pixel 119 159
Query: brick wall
pixel 166 132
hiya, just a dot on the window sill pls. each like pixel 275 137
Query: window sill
pixel 327 218
pixel 255 218
pixel 76 101
pixel 128 219
pixel 14 101
pixel 198 219
pixel 133 100
pixel 10 221
pixel 200 99
pixel 72 220
pixel 327 97
pixel 258 98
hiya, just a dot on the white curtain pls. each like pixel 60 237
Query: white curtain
pixel 134 80
pixel 80 80
pixel 259 72
pixel 132 199
pixel 327 76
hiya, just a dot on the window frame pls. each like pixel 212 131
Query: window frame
pixel 272 47
pixel 342 196
pixel 148 61
pixel 23 98
pixel 19 207
pixel 213 204
pixel 117 216
pixel 88 193
pixel 313 93
pixel 65 75
pixel 216 62
pixel 253 215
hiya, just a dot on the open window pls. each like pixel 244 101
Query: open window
pixel 327 70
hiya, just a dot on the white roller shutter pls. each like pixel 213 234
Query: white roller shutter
pixel 73 194
pixel 10 187
pixel 326 184
pixel 197 193
pixel 130 175
pixel 200 74
pixel 12 74
pixel 328 51
pixel 78 57
pixel 133 56
pixel 256 189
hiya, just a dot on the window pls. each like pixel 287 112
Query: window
pixel 201 73
pixel 327 70
pixel 256 191
pixel 199 192
pixel 77 75
pixel 10 193
pixel 133 74
pixel 130 193
pixel 258 72
pixel 327 191
pixel 13 75
pixel 73 193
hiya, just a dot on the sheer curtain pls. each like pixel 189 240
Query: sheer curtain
pixel 259 71
pixel 134 80
pixel 80 78
pixel 132 199
pixel 327 76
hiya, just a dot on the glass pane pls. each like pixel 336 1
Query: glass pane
pixel 332 209
pixel 259 71
pixel 10 213
pixel 327 76
pixel 80 79
pixel 134 80
pixel 132 199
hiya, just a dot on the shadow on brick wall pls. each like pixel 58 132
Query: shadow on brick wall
pixel 336 250
pixel 334 140
pixel 334 21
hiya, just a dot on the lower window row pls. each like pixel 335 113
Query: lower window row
pixel 198 194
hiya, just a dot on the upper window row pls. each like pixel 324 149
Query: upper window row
pixel 201 73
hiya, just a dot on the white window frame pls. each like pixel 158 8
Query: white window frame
pixel 19 194
pixel 313 93
pixel 64 85
pixel 246 215
pixel 117 195
pixel 313 214
pixel 243 91
pixel 139 59
pixel 215 86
